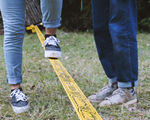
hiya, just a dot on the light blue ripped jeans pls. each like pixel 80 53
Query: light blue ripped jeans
pixel 13 14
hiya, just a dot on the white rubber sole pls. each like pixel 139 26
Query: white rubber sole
pixel 19 110
pixel 130 102
pixel 95 101
pixel 126 104
pixel 52 54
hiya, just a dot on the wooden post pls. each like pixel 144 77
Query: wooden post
pixel 33 12
pixel 1 25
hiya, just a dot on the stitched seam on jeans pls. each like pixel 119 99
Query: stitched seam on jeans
pixel 130 66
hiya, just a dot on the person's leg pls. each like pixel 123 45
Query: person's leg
pixel 123 27
pixel 51 12
pixel 13 14
pixel 100 17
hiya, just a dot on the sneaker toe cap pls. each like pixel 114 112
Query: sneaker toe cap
pixel 20 104
pixel 93 98
pixel 105 103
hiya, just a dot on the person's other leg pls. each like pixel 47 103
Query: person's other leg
pixel 51 12
pixel 123 27
pixel 13 14
pixel 100 17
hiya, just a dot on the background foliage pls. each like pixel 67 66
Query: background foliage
pixel 74 18
pixel 144 14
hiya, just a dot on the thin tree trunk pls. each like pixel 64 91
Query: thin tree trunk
pixel 1 25
pixel 33 12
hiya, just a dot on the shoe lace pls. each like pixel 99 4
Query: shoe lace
pixel 119 91
pixel 104 89
pixel 20 96
pixel 51 40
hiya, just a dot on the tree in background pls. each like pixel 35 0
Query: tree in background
pixel 74 18
pixel 144 15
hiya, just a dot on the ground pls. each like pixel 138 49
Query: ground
pixel 48 99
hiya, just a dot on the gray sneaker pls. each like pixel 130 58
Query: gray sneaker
pixel 102 94
pixel 120 96
pixel 19 101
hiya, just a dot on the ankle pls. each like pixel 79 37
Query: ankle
pixel 50 31
pixel 47 35
pixel 113 85
pixel 130 89
pixel 15 86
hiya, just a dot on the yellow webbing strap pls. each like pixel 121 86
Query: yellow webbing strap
pixel 83 107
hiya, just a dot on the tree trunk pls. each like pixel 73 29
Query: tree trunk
pixel 33 12
pixel 1 25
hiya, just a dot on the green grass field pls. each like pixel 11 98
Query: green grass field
pixel 48 99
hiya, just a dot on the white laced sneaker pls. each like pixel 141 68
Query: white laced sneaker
pixel 19 101
pixel 52 48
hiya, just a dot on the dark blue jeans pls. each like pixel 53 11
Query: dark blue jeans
pixel 115 29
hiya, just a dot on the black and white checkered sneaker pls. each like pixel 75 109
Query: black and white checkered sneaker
pixel 19 101
pixel 52 48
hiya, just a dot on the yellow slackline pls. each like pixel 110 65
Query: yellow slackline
pixel 81 104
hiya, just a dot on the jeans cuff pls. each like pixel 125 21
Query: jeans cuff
pixel 127 84
pixel 14 80
pixel 112 80
pixel 52 24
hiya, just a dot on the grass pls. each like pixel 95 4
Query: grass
pixel 47 97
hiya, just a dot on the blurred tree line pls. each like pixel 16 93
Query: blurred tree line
pixel 73 18
pixel 144 15
pixel 0 21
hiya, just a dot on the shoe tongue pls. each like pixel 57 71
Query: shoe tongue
pixel 51 42
pixel 15 89
pixel 131 90
pixel 113 85
pixel 47 35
